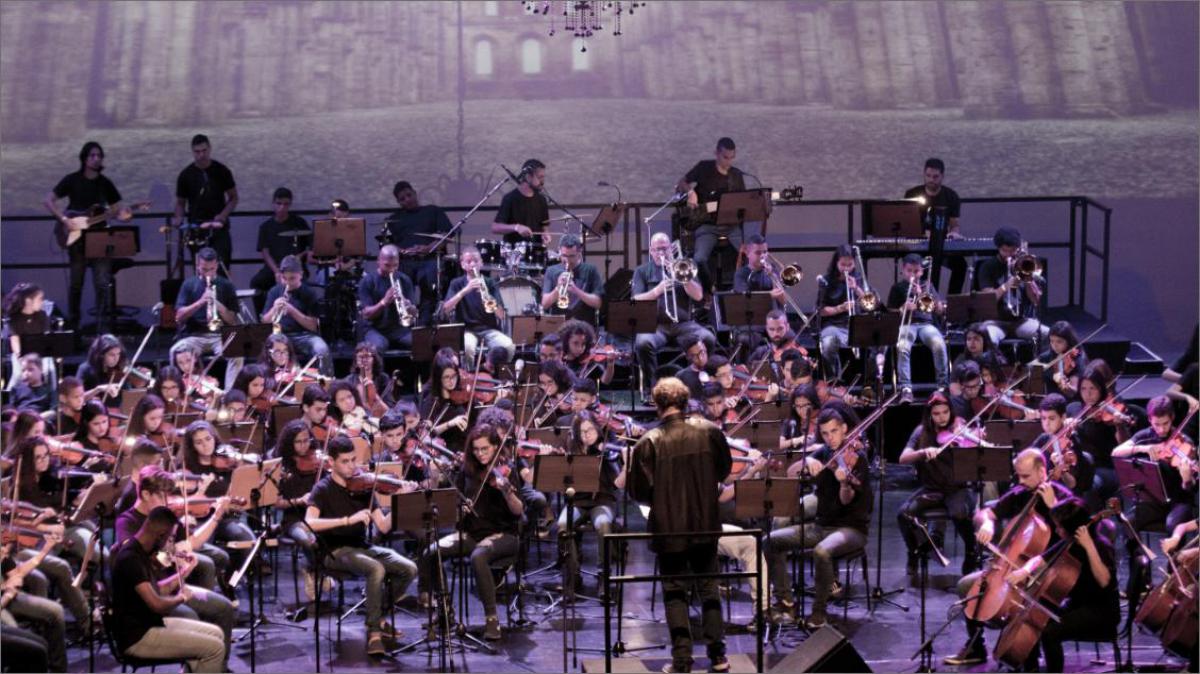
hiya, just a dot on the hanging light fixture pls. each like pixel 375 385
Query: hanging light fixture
pixel 582 18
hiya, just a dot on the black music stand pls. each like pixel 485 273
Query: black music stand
pixel 1035 383
pixel 245 341
pixel 531 329
pixel 111 242
pixel 762 435
pixel 628 318
pixel 1142 478
pixel 899 219
pixel 869 333
pixel 773 410
pixel 738 208
pixel 971 308
pixel 247 436
pixel 1017 434
pixel 340 237
pixel 744 311
pixel 765 499
pixel 427 341
pixel 130 397
pixel 282 414
pixel 555 436
pixel 976 465
pixel 568 474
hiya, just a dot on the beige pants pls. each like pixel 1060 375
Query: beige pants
pixel 741 548
pixel 201 644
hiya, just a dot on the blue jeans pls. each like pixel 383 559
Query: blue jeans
pixel 829 542
pixel 931 337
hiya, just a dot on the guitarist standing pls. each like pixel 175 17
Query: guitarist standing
pixel 87 191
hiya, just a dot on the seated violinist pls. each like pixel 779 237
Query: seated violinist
pixel 279 359
pixel 419 462
pixel 64 418
pixel 154 490
pixel 202 456
pixel 346 409
pixel 314 411
pixel 1175 454
pixel 375 388
pixel 969 381
pixel 47 640
pixel 588 439
pixel 444 403
pixel 715 405
pixel 937 487
pixel 580 354
pixel 695 375
pixel 200 387
pixel 1105 422
pixel 302 467
pixel 1068 358
pixel 104 369
pixel 33 391
pixel 169 386
pixel 555 381
pixel 1068 463
pixel 144 453
pixel 843 515
pixel 490 522
pixel 550 348
pixel 253 382
pixel 1033 484
pixel 977 345
pixel 1009 404
pixel 1092 607
pixel 799 429
pixel 907 295
pixel 339 514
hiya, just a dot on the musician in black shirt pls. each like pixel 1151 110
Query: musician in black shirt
pixel 1067 461
pixel 704 184
pixel 464 304
pixel 85 190
pixel 273 246
pixel 839 296
pixel 378 298
pixel 1016 299
pixel 940 221
pixel 294 306
pixel 340 517
pixel 206 190
pixel 757 275
pixel 905 295
pixel 524 211
pixel 199 297
pixel 418 259
pixel 585 291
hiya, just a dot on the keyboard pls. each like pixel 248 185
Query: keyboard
pixel 883 246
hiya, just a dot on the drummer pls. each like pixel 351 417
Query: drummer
pixel 524 211
pixel 584 292
pixel 413 229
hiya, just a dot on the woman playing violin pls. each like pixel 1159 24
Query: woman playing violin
pixel 977 345
pixel 373 386
pixel 186 358
pixel 1068 464
pixel 799 430
pixel 199 457
pixel 93 432
pixel 444 403
pixel 1011 403
pixel 28 424
pixel 937 487
pixel 301 470
pixel 599 508
pixel 279 359
pixel 347 411
pixel 1099 435
pixel 170 387
pixel 1069 360
pixel 578 343
pixel 489 529
pixel 105 364
pixel 149 420
pixel 554 381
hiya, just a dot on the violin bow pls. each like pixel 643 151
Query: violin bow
pixel 137 354
pixel 1078 344
pixel 987 406
pixel 861 428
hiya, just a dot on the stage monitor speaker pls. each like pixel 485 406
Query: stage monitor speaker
pixel 620 285
pixel 825 650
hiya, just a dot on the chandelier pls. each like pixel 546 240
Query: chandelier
pixel 582 18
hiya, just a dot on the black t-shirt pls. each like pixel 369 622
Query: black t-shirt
pixel 304 298
pixel 373 287
pixel 1087 592
pixel 132 566
pixel 587 278
pixel 1095 437
pixel 1172 480
pixel 404 226
pixel 895 300
pixel 294 485
pixel 993 272
pixel 281 246
pixel 492 514
pixel 946 199
pixel 191 291
pixel 204 190
pixel 938 474
pixel 831 512
pixel 1014 500
pixel 832 294
pixel 710 184
pixel 83 193
pixel 1080 365
pixel 36 323
pixel 470 311
pixel 334 501
pixel 518 209
pixel 648 276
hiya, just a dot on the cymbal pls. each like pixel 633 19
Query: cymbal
pixel 565 217
pixel 294 232
pixel 428 236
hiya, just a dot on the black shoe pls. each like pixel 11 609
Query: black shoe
pixel 969 655
pixel 718 664
pixel 911 567
pixel 491 628
pixel 817 619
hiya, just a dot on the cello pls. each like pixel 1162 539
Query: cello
pixel 1025 537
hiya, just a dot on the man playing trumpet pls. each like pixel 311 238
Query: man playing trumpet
pixel 389 306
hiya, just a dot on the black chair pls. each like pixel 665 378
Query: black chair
pixel 130 662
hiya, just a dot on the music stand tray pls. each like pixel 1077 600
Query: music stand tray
pixel 737 208
pixel 111 242
pixel 247 340
pixel 282 414
pixel 531 329
pixel 415 510
pixel 1013 433
pixel 898 219
pixel 555 436
pixel 753 498
pixel 1035 384
pixel 631 317
pixel 745 309
pixel 870 331
pixel 971 308
pixel 345 237
pixel 980 464
pixel 248 435
pixel 608 217
pixel 1141 478
pixel 263 477
pixel 48 345
pixel 130 398
pixel 773 410
pixel 98 497
pixel 554 473
pixel 427 341
pixel 762 435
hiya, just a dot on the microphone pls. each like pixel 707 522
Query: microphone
pixel 747 173
pixel 603 183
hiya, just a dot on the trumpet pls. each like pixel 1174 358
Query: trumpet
pixel 405 316
pixel 489 303
pixel 276 328
pixel 214 317
pixel 563 290
pixel 678 269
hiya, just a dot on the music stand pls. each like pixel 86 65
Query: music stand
pixel 130 398
pixel 340 237
pixel 99 497
pixel 1142 478
pixel 111 242
pixel 1035 383
pixel 414 510
pixel 245 341
pixel 762 435
pixel 630 317
pixel 898 219
pixel 767 497
pixel 56 345
pixel 555 436
pixel 282 414
pixel 428 511
pixel 976 465
pixel 738 208
pixel 257 477
pixel 427 341
pixel 773 410
pixel 246 435
pixel 745 309
pixel 1014 433
pixel 531 329
pixel 608 217
pixel 971 308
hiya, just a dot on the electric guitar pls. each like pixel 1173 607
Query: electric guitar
pixel 66 234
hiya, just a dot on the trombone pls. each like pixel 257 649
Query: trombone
pixel 784 276
pixel 1026 267
pixel 920 295
pixel 678 270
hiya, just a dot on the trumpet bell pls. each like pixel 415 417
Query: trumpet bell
pixel 1027 266
pixel 926 303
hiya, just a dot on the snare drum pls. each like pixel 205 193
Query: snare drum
pixel 489 252
pixel 520 295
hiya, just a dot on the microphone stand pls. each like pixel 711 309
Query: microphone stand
pixel 440 241
pixel 584 227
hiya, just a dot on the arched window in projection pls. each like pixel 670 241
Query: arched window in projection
pixel 531 56
pixel 581 59
pixel 483 58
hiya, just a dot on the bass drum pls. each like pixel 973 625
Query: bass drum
pixel 520 295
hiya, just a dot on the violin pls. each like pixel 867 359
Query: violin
pixel 201 506
pixel 73 453
pixel 363 482
pixel 789 343
pixel 846 459
pixel 322 432
pixel 22 510
pixel 527 449
pixel 827 391
pixel 139 377
pixel 959 435
pixel 1053 582
pixel 483 388
pixel 203 386
pixel 1063 458
pixel 606 353
pixel 754 388
pixel 743 455
pixel 1113 412
pixel 226 458
pixel 1008 405
pixel 166 435
pixel 23 537
pixel 313 462
pixel 616 422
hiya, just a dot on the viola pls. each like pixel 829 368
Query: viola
pixel 743 456
pixel 959 436
pixel 20 509
pixel 482 388
pixel 827 391
pixel 363 482
pixel 1008 406
pixel 786 344
pixel 74 454
pixel 527 449
pixel 204 386
pixel 1063 458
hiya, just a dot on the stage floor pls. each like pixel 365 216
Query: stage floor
pixel 886 640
